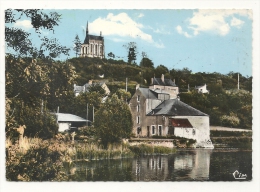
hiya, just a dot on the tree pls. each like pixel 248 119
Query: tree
pixel 19 40
pixel 113 121
pixel 28 73
pixel 132 52
pixel 77 45
pixel 111 55
pixel 146 62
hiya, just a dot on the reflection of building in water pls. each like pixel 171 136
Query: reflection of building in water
pixel 195 164
pixel 186 165
pixel 201 164
pixel 153 168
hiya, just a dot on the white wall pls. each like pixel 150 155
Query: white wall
pixel 184 132
pixel 201 124
pixel 63 126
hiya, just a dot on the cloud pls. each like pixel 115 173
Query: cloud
pixel 140 15
pixel 25 24
pixel 180 31
pixel 121 25
pixel 236 22
pixel 159 44
pixel 162 31
pixel 214 21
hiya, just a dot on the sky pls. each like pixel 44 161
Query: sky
pixel 201 40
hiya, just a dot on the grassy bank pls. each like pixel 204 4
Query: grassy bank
pixel 231 139
pixel 34 159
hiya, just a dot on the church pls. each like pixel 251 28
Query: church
pixel 93 46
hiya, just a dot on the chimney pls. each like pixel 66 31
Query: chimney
pixel 90 82
pixel 151 81
pixel 100 33
pixel 162 78
pixel 137 86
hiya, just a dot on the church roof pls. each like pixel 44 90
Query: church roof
pixel 92 37
pixel 175 107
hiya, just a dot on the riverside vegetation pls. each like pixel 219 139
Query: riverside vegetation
pixel 34 159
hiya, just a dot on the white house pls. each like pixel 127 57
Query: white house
pixel 201 89
pixel 82 89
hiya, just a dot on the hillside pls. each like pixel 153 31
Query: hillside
pixel 226 105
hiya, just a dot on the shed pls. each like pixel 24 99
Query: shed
pixel 68 121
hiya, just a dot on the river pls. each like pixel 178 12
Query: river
pixel 184 165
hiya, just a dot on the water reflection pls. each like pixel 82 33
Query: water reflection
pixel 193 165
pixel 185 165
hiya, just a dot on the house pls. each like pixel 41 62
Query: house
pixel 161 113
pixel 68 121
pixel 93 46
pixel 201 89
pixel 84 88
pixel 164 85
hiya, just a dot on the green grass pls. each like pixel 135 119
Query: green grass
pixel 143 149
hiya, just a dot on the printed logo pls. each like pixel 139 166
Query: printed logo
pixel 238 175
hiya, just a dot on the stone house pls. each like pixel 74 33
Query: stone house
pixel 161 113
pixel 82 89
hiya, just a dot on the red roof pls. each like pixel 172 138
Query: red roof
pixel 180 123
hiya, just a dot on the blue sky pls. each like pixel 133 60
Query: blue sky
pixel 201 40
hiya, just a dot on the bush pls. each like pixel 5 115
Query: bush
pixel 39 163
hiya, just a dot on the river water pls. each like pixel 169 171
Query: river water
pixel 184 165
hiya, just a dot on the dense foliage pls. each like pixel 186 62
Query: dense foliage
pixel 39 163
pixel 113 121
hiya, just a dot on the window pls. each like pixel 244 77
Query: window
pixel 159 130
pixel 138 98
pixel 138 108
pixel 153 129
pixel 138 119
pixel 139 130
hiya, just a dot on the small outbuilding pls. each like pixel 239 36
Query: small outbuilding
pixel 68 121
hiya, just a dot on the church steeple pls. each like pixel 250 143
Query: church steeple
pixel 87 29
pixel 86 41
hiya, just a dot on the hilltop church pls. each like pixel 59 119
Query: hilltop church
pixel 93 46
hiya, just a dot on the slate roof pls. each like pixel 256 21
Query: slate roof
pixel 147 93
pixel 92 37
pixel 180 123
pixel 66 117
pixel 175 107
pixel 167 82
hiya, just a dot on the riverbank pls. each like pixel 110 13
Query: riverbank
pixel 231 139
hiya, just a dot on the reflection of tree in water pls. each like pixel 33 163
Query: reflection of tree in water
pixel 104 170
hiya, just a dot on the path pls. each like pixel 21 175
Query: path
pixel 218 128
